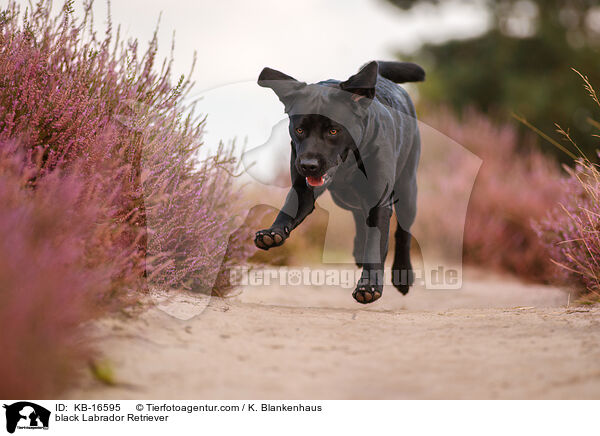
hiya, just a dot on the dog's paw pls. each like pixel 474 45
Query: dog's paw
pixel 273 237
pixel 367 293
pixel 403 278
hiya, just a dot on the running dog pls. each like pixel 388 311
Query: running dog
pixel 359 139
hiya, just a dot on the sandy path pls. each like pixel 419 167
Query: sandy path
pixel 496 338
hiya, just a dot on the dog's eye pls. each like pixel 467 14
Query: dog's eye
pixel 333 131
pixel 299 131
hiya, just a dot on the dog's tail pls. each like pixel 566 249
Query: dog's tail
pixel 401 72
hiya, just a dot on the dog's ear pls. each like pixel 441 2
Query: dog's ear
pixel 282 84
pixel 362 84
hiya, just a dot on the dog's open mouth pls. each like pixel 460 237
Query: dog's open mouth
pixel 320 180
pixel 317 181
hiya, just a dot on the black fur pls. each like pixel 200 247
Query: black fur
pixel 401 72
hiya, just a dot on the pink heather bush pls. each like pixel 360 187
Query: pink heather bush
pixel 513 188
pixel 56 271
pixel 571 229
pixel 101 188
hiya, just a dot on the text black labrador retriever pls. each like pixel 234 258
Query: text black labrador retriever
pixel 359 139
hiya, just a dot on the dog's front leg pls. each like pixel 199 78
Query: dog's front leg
pixel 370 285
pixel 299 203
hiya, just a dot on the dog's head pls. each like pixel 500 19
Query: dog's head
pixel 326 119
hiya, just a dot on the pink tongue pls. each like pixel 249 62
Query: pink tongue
pixel 315 181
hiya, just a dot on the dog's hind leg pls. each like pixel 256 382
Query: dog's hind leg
pixel 405 206
pixel 402 272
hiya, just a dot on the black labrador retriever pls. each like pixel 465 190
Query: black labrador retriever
pixel 359 139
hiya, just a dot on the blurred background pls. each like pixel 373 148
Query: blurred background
pixel 520 64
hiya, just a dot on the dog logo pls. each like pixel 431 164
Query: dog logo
pixel 26 415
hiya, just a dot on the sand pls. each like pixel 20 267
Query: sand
pixel 497 338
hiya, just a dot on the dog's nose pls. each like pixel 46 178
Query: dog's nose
pixel 309 164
